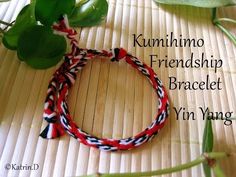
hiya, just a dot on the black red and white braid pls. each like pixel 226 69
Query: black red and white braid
pixel 56 111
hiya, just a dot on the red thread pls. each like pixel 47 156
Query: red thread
pixel 64 78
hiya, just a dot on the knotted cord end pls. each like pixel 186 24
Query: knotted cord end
pixel 118 54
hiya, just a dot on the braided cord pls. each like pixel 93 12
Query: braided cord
pixel 56 111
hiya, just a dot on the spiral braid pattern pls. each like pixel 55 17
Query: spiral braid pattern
pixel 56 111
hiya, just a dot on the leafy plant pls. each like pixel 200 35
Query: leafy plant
pixel 39 47
pixel 31 34
pixel 209 4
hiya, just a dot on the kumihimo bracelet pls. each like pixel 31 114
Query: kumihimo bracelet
pixel 56 111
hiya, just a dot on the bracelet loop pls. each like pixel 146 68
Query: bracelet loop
pixel 56 111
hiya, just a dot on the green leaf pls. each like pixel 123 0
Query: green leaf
pixel 208 137
pixel 89 13
pixel 23 21
pixel 40 48
pixel 207 145
pixel 199 3
pixel 49 11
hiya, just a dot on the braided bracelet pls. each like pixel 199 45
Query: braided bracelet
pixel 56 111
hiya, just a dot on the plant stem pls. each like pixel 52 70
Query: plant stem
pixel 225 20
pixel 217 22
pixel 227 33
pixel 199 160
pixel 217 171
pixel 32 4
pixel 5 23
pixel 1 31
pixel 81 2
pixel 4 0
pixel 1 36
pixel 213 16
pixel 11 24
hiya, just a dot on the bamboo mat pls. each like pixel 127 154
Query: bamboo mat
pixel 113 100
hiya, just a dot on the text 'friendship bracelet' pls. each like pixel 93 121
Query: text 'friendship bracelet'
pixel 56 111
